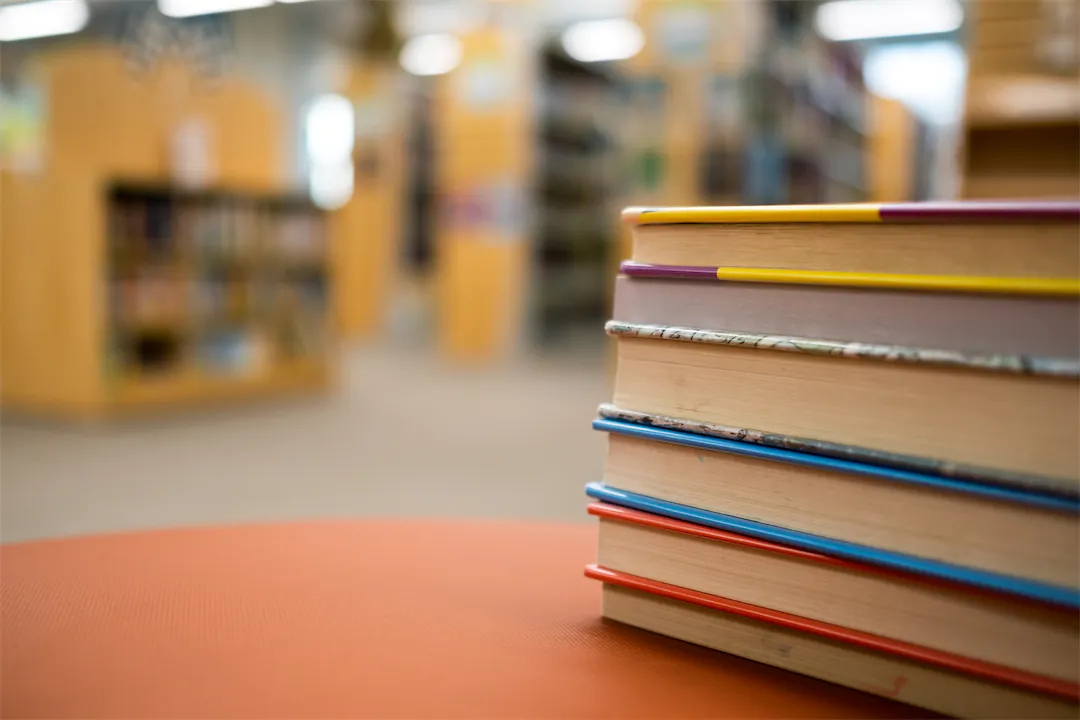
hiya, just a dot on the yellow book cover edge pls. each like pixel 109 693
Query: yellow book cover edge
pixel 1068 287
pixel 932 212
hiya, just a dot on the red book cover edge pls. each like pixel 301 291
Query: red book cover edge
pixel 918 653
pixel 638 517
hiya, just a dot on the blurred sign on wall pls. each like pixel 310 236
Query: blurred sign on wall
pixel 682 30
pixel 22 129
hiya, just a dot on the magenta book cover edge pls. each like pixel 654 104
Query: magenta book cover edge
pixel 1047 210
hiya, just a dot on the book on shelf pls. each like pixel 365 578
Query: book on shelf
pixel 845 440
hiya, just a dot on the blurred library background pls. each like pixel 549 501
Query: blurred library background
pixel 289 258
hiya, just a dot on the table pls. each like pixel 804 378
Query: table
pixel 355 619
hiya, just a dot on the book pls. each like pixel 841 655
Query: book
pixel 915 463
pixel 990 240
pixel 1044 325
pixel 1001 629
pixel 950 572
pixel 1037 286
pixel 1012 413
pixel 909 673
pixel 937 518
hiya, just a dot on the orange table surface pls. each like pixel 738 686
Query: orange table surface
pixel 355 619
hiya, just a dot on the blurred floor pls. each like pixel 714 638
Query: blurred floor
pixel 403 436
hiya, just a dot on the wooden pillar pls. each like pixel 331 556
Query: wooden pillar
pixel 483 144
pixel 892 151
pixel 366 231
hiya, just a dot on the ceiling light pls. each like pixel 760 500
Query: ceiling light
pixel 435 54
pixel 191 8
pixel 866 19
pixel 43 18
pixel 603 40
pixel 927 77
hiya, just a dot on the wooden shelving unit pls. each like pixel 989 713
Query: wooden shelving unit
pixel 775 114
pixel 1022 119
pixel 901 153
pixel 576 195
pixel 123 292
pixel 1017 100
pixel 212 294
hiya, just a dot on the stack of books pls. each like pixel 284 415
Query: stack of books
pixel 845 440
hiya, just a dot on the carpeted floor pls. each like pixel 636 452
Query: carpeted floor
pixel 403 435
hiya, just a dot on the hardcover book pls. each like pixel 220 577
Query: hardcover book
pixel 1045 324
pixel 996 628
pixel 997 412
pixel 988 240
pixel 1035 590
pixel 950 520
pixel 909 673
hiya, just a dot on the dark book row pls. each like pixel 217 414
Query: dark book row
pixel 212 281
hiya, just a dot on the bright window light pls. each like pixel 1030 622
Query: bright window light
pixel 571 11
pixel 191 8
pixel 44 18
pixel 446 16
pixel 435 54
pixel 331 186
pixel 928 77
pixel 603 40
pixel 865 19
pixel 330 130
pixel 329 135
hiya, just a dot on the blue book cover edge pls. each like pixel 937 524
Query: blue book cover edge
pixel 793 457
pixel 1042 592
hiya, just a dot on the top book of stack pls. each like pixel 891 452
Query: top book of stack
pixel 1026 247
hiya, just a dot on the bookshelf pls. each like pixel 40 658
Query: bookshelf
pixel 212 292
pixel 775 114
pixel 116 296
pixel 577 197
pixel 1022 115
